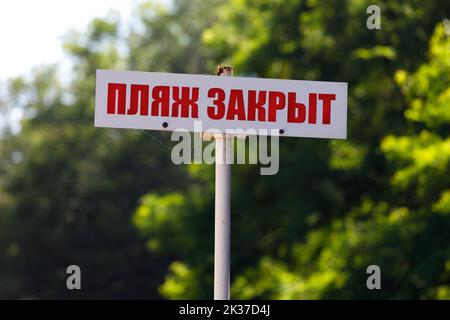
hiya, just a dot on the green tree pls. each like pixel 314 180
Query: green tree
pixel 332 210
pixel 68 190
pixel 408 236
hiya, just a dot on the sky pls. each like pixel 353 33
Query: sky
pixel 31 31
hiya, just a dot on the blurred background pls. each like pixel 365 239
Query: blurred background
pixel 112 202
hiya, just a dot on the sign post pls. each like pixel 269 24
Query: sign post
pixel 222 219
pixel 221 108
pixel 222 236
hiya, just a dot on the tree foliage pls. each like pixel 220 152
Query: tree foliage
pixel 112 202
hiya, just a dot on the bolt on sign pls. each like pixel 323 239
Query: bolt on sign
pixel 170 101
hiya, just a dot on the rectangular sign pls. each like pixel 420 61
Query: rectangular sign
pixel 204 103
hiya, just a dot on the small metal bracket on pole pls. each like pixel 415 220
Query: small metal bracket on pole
pixel 222 209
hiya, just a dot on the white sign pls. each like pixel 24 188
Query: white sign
pixel 170 101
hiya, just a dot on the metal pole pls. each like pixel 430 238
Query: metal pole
pixel 223 212
pixel 222 220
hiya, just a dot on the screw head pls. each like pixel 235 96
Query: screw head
pixel 281 131
pixel 165 124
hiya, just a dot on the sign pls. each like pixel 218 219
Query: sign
pixel 201 103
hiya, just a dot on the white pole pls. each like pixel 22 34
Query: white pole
pixel 223 212
pixel 222 220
